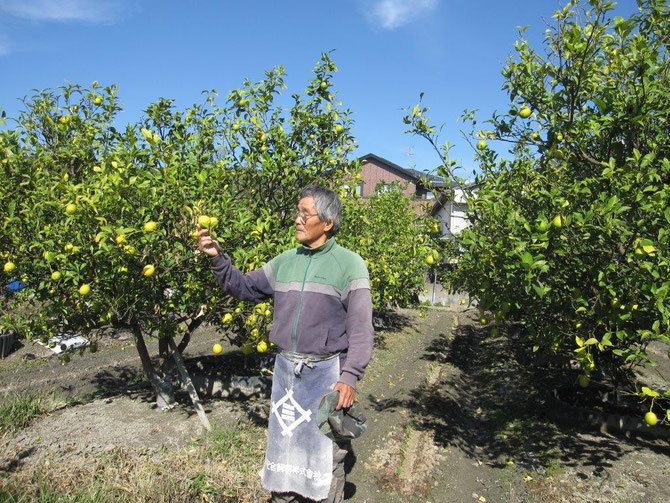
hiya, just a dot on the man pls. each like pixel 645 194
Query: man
pixel 322 324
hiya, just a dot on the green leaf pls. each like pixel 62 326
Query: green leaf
pixel 541 289
pixel 649 392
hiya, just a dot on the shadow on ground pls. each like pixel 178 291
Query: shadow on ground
pixel 490 401
pixel 129 379
pixel 388 322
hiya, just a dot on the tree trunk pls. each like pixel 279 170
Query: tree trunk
pixel 161 382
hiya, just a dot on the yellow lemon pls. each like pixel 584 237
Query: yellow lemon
pixel 204 221
pixel 150 226
pixel 650 418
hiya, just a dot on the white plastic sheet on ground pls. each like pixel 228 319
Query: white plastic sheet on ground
pixel 65 342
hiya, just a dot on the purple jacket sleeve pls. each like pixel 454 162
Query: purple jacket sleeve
pixel 360 333
pixel 253 286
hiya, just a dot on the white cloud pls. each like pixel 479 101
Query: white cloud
pixel 391 14
pixel 100 11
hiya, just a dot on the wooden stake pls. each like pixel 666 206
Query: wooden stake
pixel 189 384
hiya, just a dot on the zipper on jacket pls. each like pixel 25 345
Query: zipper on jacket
pixel 297 317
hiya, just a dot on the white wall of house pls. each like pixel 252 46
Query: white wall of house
pixel 452 215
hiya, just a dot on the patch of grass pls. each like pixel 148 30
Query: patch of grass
pixel 200 484
pixel 18 411
pixel 46 494
pixel 240 446
pixel 403 448
pixel 222 466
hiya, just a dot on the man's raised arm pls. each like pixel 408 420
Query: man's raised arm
pixel 254 286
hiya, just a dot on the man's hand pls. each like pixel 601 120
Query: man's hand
pixel 207 243
pixel 347 395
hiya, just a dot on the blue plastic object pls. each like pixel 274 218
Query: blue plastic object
pixel 15 286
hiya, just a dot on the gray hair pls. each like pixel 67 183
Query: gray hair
pixel 328 205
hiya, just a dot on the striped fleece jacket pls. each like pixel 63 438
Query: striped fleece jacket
pixel 321 298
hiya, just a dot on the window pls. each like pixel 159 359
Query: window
pixel 359 188
pixel 459 208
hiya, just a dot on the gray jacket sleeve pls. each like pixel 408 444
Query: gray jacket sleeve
pixel 254 286
pixel 360 334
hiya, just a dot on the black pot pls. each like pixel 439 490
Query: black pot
pixel 7 341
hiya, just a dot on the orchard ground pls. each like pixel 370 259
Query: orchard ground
pixel 453 416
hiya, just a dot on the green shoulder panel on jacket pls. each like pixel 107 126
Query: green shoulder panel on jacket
pixel 288 266
pixel 335 266
pixel 351 264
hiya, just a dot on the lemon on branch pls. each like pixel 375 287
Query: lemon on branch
pixel 150 226
pixel 204 221
pixel 650 418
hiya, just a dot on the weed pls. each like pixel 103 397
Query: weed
pixel 403 448
pixel 198 483
pixel 18 411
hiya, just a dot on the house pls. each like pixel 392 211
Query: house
pixel 376 169
pixel 449 213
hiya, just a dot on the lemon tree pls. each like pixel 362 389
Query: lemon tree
pixel 99 220
pixel 397 243
pixel 569 232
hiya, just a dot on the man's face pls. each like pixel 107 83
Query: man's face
pixel 309 230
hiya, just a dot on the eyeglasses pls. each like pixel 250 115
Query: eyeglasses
pixel 303 217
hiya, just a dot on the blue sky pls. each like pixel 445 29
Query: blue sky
pixel 387 51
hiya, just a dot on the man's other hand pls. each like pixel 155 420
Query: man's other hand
pixel 207 243
pixel 347 395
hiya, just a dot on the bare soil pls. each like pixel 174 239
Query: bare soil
pixel 452 417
